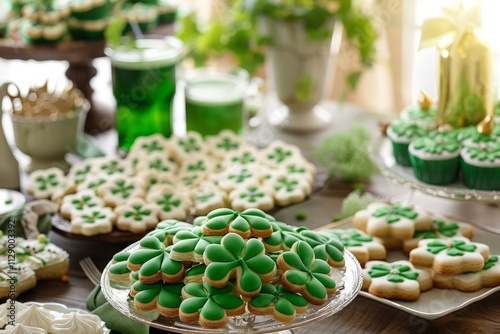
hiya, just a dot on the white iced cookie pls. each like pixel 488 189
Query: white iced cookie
pixel 156 162
pixel 80 202
pixel 224 143
pixel 172 204
pixel 146 145
pixel 22 329
pixel 236 176
pixel 189 145
pixel 92 222
pixel 79 173
pixel 252 195
pixel 42 183
pixel 68 187
pixel 191 181
pixel 136 216
pixel 152 179
pixel 112 166
pixel 77 323
pixel 288 189
pixel 93 182
pixel 247 155
pixel 299 167
pixel 197 165
pixel 278 153
pixel 6 310
pixel 35 316
pixel 119 189
pixel 208 197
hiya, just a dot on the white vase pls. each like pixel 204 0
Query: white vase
pixel 297 61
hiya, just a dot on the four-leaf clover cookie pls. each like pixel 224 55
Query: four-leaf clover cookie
pixel 251 222
pixel 233 258
pixel 189 245
pixel 137 216
pixel 225 142
pixel 165 230
pixel 162 297
pixel 397 280
pixel 172 204
pixel 80 202
pixel 120 189
pixel 93 221
pixel 252 195
pixel 43 182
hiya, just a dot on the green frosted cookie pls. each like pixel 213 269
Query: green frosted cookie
pixel 162 297
pixel 249 223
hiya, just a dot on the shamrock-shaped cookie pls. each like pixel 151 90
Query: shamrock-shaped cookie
pixel 278 153
pixel 208 197
pixel 251 222
pixel 385 220
pixel 363 246
pixel 329 249
pixel 232 258
pixel 396 280
pixel 153 180
pixel 165 230
pixel 440 229
pixel 300 168
pixel 195 274
pixel 172 204
pixel 208 305
pixel 144 146
pixel 136 216
pixel 306 275
pixel 43 182
pixel 162 297
pixel 191 144
pixel 252 195
pixel 225 142
pixel 236 176
pixel 156 162
pixel 190 245
pixel 112 166
pixel 278 302
pixel 152 261
pixel 93 182
pixel 288 189
pixel 80 202
pixel 450 256
pixel 93 221
pixel 282 238
pixel 471 281
pixel 80 172
pixel 197 165
pixel 119 272
pixel 246 156
pixel 120 189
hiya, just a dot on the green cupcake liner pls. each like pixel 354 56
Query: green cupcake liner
pixel 42 41
pixel 86 35
pixel 436 172
pixel 479 177
pixel 401 154
pixel 167 17
pixel 96 13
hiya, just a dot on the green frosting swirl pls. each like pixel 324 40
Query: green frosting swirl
pixel 484 153
pixel 407 129
pixel 437 144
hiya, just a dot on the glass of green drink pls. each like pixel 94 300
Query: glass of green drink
pixel 215 100
pixel 144 82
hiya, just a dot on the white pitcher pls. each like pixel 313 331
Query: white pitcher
pixel 9 167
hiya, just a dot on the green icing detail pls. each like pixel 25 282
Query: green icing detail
pixel 121 256
pixel 92 217
pixel 286 185
pixel 283 234
pixel 158 164
pixel 203 197
pixel 409 130
pixel 436 144
pixel 227 145
pixel 45 182
pixel 396 273
pixel 240 176
pixel 119 268
pixel 196 270
pixel 112 167
pixel 452 248
pixel 279 154
pixel 352 238
pixel 418 114
pixel 199 166
pixel 224 218
pixel 167 203
pixel 168 228
pixel 194 241
pixel 154 146
pixel 492 260
pixel 137 213
pixel 284 302
pixel 84 202
pixel 122 189
pixel 189 180
pixel 394 213
pixel 293 169
pixel 189 145
pixel 244 159
pixel 252 195
pixel 166 294
pixel 484 153
pixel 438 228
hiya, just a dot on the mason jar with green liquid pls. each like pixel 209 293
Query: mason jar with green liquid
pixel 144 81
pixel 215 100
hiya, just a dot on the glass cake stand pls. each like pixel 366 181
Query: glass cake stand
pixel 382 153
pixel 349 281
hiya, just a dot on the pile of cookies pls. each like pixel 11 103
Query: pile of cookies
pixel 440 252
pixel 172 179
pixel 27 260
pixel 226 263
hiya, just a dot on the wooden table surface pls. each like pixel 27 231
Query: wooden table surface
pixel 362 315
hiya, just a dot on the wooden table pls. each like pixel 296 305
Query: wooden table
pixel 362 315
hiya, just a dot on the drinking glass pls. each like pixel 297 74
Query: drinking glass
pixel 215 100
pixel 144 82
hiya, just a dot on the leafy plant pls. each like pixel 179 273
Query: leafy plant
pixel 237 31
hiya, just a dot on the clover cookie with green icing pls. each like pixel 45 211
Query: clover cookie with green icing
pixel 235 176
pixel 279 153
pixel 208 197
pixel 480 164
pixel 166 230
pixel 288 189
pixel 208 305
pixel 435 158
pixel 190 245
pixel 93 182
pixel 195 274
pixel 363 246
pixel 245 156
pixel 171 203
pixel 165 298
pixel 397 221
pixel 450 256
pixel 43 183
pixel 80 172
pixel 396 280
pixel 401 134
pixel 119 271
pixel 233 258
pixel 190 145
pixel 157 162
pixel 441 228
pixel 252 195
pixel 283 237
pixel 224 143
pixel 112 166
pixel 156 182
pixel 306 275
pixel 93 221
pixel 249 223
pixel 152 261
pixel 80 202
pixel 299 167
pixel 146 145
pixel 119 189
pixel 326 248
pixel 470 281
pixel 136 216
pixel 278 302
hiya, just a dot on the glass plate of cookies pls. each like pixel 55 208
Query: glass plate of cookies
pixel 348 280
pixel 382 153
pixel 434 303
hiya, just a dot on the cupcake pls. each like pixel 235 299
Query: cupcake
pixel 423 117
pixel 435 159
pixel 39 33
pixel 480 163
pixel 89 10
pixel 144 16
pixel 167 11
pixel 87 30
pixel 401 134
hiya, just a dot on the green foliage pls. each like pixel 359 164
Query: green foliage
pixel 237 30
pixel 353 203
pixel 345 155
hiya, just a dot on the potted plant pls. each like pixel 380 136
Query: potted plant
pixel 295 36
